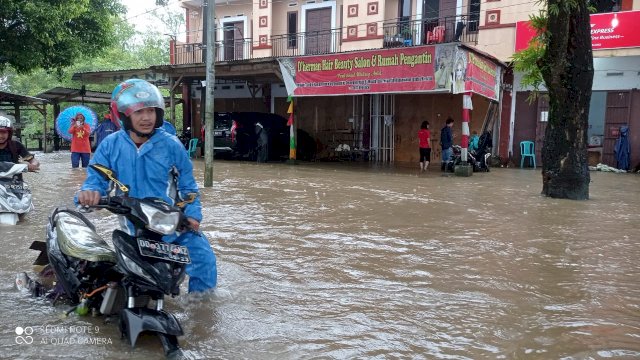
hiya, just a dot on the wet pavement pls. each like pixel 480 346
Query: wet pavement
pixel 348 261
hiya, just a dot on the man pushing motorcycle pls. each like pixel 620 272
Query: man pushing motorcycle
pixel 152 163
pixel 13 150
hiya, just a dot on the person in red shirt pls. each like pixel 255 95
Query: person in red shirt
pixel 425 145
pixel 80 144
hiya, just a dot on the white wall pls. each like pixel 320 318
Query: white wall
pixel 617 73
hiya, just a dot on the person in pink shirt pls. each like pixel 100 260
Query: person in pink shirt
pixel 425 146
pixel 80 144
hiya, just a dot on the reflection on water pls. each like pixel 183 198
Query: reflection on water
pixel 332 260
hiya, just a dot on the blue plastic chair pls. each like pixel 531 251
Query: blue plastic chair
pixel 192 147
pixel 527 151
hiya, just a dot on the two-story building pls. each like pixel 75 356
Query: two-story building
pixel 366 73
pixel 363 73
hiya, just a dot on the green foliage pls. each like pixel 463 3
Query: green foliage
pixel 528 61
pixel 129 50
pixel 52 35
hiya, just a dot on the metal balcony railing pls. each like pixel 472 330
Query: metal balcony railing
pixel 307 43
pixel 401 32
pixel 234 49
pixel 397 33
pixel 228 50
pixel 193 53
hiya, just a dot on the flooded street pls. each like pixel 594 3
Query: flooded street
pixel 340 261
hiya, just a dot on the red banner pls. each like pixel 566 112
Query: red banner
pixel 524 34
pixel 608 31
pixel 483 77
pixel 380 71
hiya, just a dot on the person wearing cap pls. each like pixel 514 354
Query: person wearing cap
pixel 13 150
pixel 80 142
pixel 152 163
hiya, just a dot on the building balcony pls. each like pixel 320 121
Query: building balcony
pixel 396 33
pixel 454 29
pixel 307 43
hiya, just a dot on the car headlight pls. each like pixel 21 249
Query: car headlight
pixel 162 222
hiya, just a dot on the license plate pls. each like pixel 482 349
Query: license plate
pixel 217 133
pixel 16 188
pixel 164 251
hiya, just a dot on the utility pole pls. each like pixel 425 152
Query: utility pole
pixel 210 17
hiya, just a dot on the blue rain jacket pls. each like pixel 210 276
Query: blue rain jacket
pixel 622 149
pixel 168 127
pixel 147 172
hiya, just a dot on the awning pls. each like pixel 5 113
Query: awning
pixel 11 99
pixel 255 71
pixel 116 76
pixel 61 94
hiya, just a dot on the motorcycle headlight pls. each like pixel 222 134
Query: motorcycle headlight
pixel 162 222
pixel 136 269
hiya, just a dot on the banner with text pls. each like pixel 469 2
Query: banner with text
pixel 608 31
pixel 477 74
pixel 379 71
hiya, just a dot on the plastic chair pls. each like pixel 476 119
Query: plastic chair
pixel 527 150
pixel 436 36
pixel 192 147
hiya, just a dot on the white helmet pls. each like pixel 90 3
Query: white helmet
pixel 5 123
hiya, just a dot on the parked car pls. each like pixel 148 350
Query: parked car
pixel 247 135
pixel 237 136
pixel 223 141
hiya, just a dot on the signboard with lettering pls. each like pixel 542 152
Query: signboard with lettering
pixel 408 69
pixel 477 74
pixel 400 70
pixel 608 31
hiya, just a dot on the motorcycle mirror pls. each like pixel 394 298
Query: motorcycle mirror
pixel 110 175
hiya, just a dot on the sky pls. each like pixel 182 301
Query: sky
pixel 138 9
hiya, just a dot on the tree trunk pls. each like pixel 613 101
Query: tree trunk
pixel 567 69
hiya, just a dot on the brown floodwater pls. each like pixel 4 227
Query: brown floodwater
pixel 350 261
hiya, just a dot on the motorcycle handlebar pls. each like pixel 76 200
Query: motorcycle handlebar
pixel 108 202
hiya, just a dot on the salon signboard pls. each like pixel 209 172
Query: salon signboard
pixel 409 69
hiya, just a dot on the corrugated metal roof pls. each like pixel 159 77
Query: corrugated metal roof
pixel 62 94
pixel 7 98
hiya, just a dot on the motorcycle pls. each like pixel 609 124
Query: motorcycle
pixel 185 137
pixel 479 161
pixel 133 278
pixel 479 158
pixel 15 195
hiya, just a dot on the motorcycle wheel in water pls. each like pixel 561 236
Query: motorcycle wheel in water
pixel 15 195
pixel 130 280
